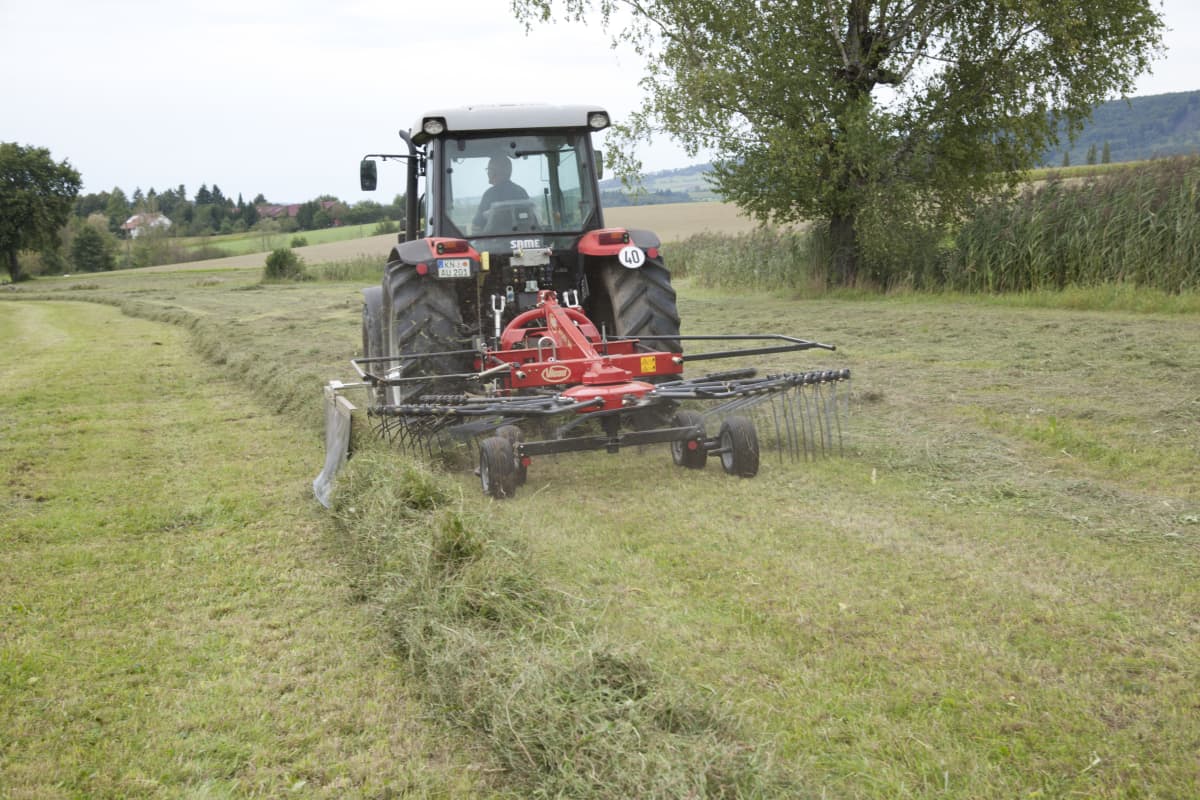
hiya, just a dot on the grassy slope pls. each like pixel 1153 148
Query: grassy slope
pixel 235 244
pixel 993 594
pixel 174 620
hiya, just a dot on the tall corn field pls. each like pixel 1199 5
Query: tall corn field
pixel 1139 226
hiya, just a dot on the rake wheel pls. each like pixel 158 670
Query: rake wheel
pixel 497 472
pixel 739 447
pixel 515 436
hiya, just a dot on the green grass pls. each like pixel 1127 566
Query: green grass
pixel 1082 170
pixel 174 622
pixel 236 244
pixel 992 594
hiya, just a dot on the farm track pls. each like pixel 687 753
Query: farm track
pixel 994 593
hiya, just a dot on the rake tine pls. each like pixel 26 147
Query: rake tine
pixel 779 434
pixel 795 425
pixel 838 419
pixel 819 411
pixel 791 409
pixel 806 425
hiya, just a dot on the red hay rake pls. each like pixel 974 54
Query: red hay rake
pixel 553 373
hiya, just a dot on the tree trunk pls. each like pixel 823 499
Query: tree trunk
pixel 843 246
pixel 14 266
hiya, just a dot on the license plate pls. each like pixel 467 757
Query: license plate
pixel 454 267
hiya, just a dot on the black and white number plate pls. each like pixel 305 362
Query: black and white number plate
pixel 454 268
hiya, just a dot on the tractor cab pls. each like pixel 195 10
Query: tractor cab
pixel 502 172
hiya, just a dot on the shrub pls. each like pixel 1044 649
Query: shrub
pixel 284 265
pixel 299 241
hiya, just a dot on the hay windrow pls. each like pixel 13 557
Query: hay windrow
pixel 566 712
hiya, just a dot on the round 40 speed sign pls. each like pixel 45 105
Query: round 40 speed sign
pixel 631 257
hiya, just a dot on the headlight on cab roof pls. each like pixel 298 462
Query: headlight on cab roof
pixel 433 126
pixel 597 120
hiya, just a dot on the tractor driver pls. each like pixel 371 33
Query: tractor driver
pixel 499 172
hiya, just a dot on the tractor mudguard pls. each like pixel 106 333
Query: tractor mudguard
pixel 644 239
pixel 427 255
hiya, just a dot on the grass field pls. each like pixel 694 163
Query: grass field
pixel 236 244
pixel 992 594
pixel 672 222
pixel 174 620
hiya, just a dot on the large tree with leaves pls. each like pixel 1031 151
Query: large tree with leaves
pixel 885 118
pixel 36 196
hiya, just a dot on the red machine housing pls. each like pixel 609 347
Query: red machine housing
pixel 554 345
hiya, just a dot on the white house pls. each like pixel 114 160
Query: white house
pixel 137 222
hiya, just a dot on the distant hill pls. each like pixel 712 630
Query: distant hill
pixel 683 185
pixel 1139 128
pixel 1135 129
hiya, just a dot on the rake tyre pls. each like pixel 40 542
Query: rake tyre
pixel 496 467
pixel 423 316
pixel 681 454
pixel 739 447
pixel 515 436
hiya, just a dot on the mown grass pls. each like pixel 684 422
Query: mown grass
pixel 173 622
pixel 993 594
pixel 236 244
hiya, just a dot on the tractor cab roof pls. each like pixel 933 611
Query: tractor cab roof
pixel 512 117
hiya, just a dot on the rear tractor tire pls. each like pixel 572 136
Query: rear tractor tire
pixel 739 447
pixel 423 316
pixel 637 302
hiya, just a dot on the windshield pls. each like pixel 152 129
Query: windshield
pixel 497 185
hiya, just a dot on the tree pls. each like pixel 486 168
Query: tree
pixel 304 217
pixel 36 197
pixel 118 209
pixel 886 119
pixel 1091 154
pixel 92 251
pixel 1106 154
pixel 249 215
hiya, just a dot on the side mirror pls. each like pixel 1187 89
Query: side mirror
pixel 599 165
pixel 368 175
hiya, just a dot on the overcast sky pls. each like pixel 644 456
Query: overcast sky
pixel 283 96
